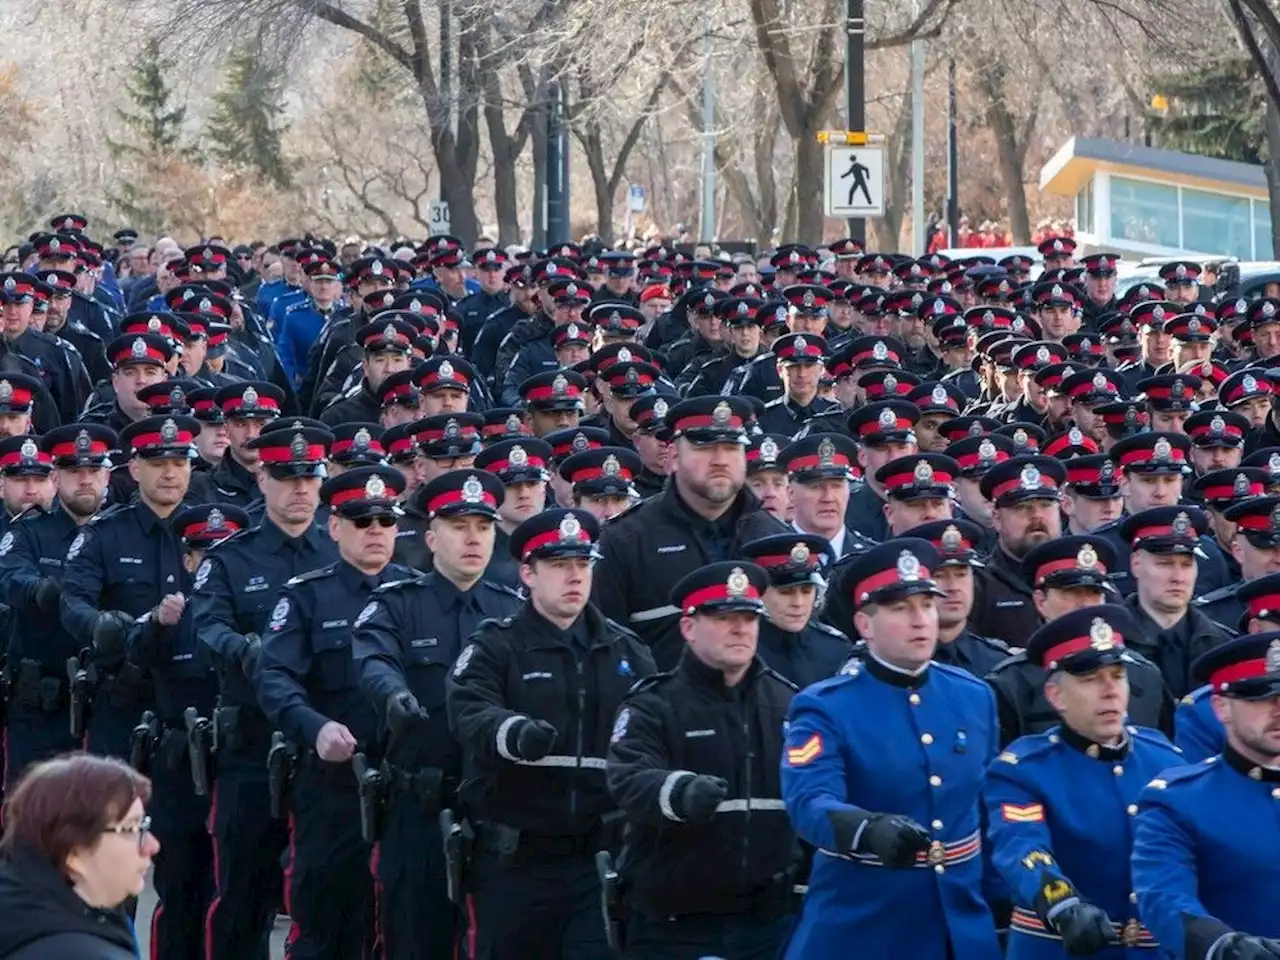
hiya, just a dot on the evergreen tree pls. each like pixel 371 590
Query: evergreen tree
pixel 1217 111
pixel 245 126
pixel 155 121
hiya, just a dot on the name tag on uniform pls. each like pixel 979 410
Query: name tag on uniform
pixel 674 548
pixel 1001 604
pixel 178 657
pixel 537 675
pixel 330 624
pixel 137 560
pixel 424 642
pixel 51 561
pixel 256 583
pixel 691 734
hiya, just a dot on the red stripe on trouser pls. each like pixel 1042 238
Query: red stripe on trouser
pixel 377 901
pixel 471 925
pixel 155 931
pixel 217 874
pixel 294 932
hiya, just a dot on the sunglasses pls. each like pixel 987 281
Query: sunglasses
pixel 141 830
pixel 364 523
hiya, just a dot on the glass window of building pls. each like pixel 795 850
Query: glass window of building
pixel 1084 209
pixel 1144 212
pixel 1262 246
pixel 1217 224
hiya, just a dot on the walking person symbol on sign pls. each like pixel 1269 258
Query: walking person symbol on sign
pixel 859 172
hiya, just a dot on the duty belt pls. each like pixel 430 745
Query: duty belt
pixel 939 856
pixel 1131 933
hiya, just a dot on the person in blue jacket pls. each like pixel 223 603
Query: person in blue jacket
pixel 1205 868
pixel 1060 804
pixel 882 772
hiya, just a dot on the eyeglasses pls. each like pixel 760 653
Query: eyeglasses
pixel 364 523
pixel 141 829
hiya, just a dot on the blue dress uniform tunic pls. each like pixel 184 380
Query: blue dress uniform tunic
pixel 918 746
pixel 1204 854
pixel 1196 728
pixel 1061 808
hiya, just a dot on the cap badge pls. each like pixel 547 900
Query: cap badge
pixel 518 457
pixel 1042 355
pixel 890 383
pixel 632 375
pixel 375 488
pixel 986 451
pixel 1075 437
pixel 362 439
pixel 800 554
pixel 1087 557
pixel 249 398
pixel 738 582
pixel 10 284
pixel 1020 437
pixel 1030 477
pixel 808 298
pixel 988 317
pixel 721 415
pixel 446 371
pixel 1275 520
pixel 1181 524
pixel 951 539
pixel 1241 486
pixel 1101 636
pixel 29 450
pixel 514 423
pixel 1056 291
pixel 769 449
pixel 1130 414
pixel 1107 472
pixel 1249 383
pixel 826 452
pixel 1157 313
pixel 376 268
pixel 6 391
pixel 570 528
pixel 216 520
pixel 1100 381
pixel 1193 325
pixel 1217 425
pixel 580 443
pixel 155 325
pixel 1268 309
pixel 415 305
pixel 298 447
pixel 940 395
pixel 660 409
pixel 560 385
pixel 1178 389
pixel 1057 246
pixel 473 490
pixel 908 566
pixel 888 419
pixel 139 348
pixel 1273 657
pixel 611 467
pixel 169 431
pixel 879 351
pixel 923 473
pixel 452 429
pixel 1163 450
pixel 976 429
pixel 84 443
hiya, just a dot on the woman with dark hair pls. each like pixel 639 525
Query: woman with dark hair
pixel 76 846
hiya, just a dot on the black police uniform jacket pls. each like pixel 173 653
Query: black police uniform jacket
pixel 407 638
pixel 1002 601
pixel 525 667
pixel 1173 650
pixel 977 654
pixel 1022 708
pixel 784 416
pixel 1223 606
pixel 306 675
pixel 649 548
pixel 677 725
pixel 815 653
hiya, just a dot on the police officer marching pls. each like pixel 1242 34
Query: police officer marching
pixel 710 859
pixel 405 642
pixel 175 752
pixel 122 565
pixel 1061 804
pixel 532 701
pixel 234 589
pixel 1203 849
pixel 308 688
pixel 883 768
pixel 32 551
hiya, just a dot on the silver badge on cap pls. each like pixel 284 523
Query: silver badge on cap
pixel 29 450
pixel 624 355
pixel 1275 520
pixel 887 419
pixel 738 582
pixel 580 443
pixel 1086 557
pixel 446 371
pixel 1181 524
pixel 472 489
pixel 940 395
pixel 1020 437
pixel 1217 425
pixel 1162 450
pixel 1249 383
pixel 249 398
pixel 375 488
pixel 1100 382
pixel 1178 389
pixel 514 423
pixel 1075 437
pixel 570 528
pixel 879 351
pixel 826 452
pixel 951 539
pixel 1101 636
pixel 986 451
pixel 518 457
pixel 362 439
pixel 206 305
pixel 1241 487
pixel 560 385
pixel 169 431
pixel 800 554
pixel 216 520
pixel 1042 355
pixel 298 447
pixel 139 348
pixel 660 409
pixel 923 473
pixel 84 443
pixel 890 383
pixel 1107 472
pixel 611 467
pixel 451 429
pixel 808 298
pixel 6 391
pixel 908 566
pixel 721 415
pixel 1030 477
pixel 768 449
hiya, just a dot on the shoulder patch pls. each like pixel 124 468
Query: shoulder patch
pixel 279 614
pixel 620 725
pixel 464 660
pixel 369 610
pixel 202 574
pixel 6 543
pixel 77 545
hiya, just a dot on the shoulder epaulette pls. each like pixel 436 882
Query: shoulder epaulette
pixel 773 674
pixel 829 630
pixel 649 682
pixel 631 509
pixel 1028 748
pixel 1152 736
pixel 1195 696
pixel 318 574
pixel 500 588
pixel 398 584
pixel 115 510
pixel 1009 661
pixel 1178 775
pixel 1214 595
pixel 30 513
pixel 776 402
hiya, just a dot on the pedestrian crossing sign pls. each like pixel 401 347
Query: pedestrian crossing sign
pixel 854 181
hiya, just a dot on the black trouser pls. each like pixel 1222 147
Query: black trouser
pixel 547 908
pixel 727 936
pixel 248 846
pixel 416 920
pixel 33 736
pixel 183 876
pixel 328 886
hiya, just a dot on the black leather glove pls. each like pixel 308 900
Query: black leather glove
pixel 699 797
pixel 1084 928
pixel 48 593
pixel 403 714
pixel 1241 946
pixel 535 739
pixel 110 628
pixel 894 839
pixel 248 654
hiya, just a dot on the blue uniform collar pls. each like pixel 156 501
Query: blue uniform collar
pixel 895 676
pixel 1246 767
pixel 1097 751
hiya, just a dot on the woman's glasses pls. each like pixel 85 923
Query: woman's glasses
pixel 140 829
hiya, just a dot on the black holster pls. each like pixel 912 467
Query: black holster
pixel 199 745
pixel 613 903
pixel 372 784
pixel 80 683
pixel 459 845
pixel 142 742
pixel 281 761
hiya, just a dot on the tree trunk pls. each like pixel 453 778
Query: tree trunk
pixel 887 231
pixel 1009 153
pixel 593 148
pixel 808 178
pixel 506 200
pixel 1272 170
